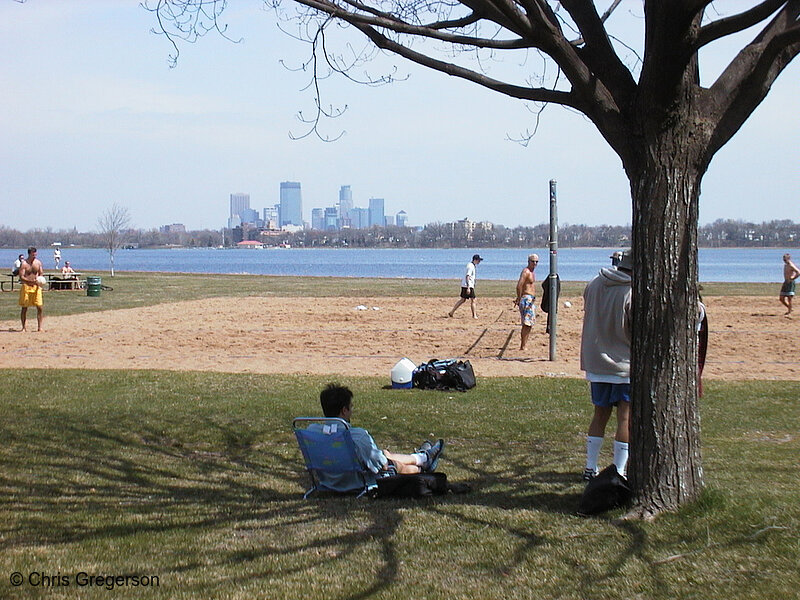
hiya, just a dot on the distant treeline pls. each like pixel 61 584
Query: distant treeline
pixel 719 234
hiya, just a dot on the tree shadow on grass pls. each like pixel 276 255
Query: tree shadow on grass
pixel 71 483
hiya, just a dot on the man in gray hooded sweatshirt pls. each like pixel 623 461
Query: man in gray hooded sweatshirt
pixel 606 359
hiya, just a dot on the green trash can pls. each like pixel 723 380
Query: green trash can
pixel 93 286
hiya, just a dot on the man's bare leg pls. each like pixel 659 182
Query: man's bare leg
pixel 523 336
pixel 23 316
pixel 458 303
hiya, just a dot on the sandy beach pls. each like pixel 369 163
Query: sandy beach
pixel 749 337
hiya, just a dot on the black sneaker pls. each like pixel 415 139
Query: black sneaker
pixel 589 474
pixel 424 447
pixel 434 453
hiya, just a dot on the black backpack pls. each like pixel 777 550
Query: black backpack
pixel 444 375
pixel 606 491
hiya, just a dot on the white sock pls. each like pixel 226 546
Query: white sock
pixel 593 445
pixel 620 456
pixel 420 458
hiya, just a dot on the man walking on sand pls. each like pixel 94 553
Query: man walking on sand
pixel 526 299
pixel 468 287
pixel 30 294
pixel 790 273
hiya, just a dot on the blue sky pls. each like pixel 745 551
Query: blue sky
pixel 92 114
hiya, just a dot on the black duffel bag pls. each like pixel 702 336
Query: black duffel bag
pixel 444 375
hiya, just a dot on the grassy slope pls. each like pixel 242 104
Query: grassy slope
pixel 196 478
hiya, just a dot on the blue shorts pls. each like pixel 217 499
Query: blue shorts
pixel 610 394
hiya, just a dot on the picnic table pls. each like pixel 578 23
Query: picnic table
pixel 69 281
pixel 12 280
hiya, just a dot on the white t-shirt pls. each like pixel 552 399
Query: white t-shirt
pixel 469 276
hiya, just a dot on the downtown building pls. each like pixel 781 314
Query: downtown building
pixel 291 204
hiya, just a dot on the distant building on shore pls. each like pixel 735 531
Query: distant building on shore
pixel 291 211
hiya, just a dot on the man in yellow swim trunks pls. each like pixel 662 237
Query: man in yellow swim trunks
pixel 31 292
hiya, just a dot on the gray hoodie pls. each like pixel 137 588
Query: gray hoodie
pixel 606 338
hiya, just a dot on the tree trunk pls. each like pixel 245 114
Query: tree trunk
pixel 665 467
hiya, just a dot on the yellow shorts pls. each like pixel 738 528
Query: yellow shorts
pixel 30 295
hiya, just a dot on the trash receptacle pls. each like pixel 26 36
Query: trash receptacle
pixel 93 286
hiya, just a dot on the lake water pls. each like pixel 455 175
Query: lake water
pixel 574 264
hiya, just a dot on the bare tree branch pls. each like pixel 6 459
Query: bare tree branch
pixel 390 22
pixel 746 81
pixel 730 25
pixel 599 54
pixel 525 93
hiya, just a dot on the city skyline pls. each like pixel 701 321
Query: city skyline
pixel 94 115
pixel 288 212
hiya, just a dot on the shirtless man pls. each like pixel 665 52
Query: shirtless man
pixel 526 297
pixel 31 292
pixel 790 273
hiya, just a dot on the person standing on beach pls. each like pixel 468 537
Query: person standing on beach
pixel 468 287
pixel 526 299
pixel 31 292
pixel 606 359
pixel 790 273
pixel 18 264
pixel 57 257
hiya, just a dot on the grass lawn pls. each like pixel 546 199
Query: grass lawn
pixel 195 478
pixel 146 289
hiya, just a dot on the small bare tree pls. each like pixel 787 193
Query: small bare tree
pixel 111 223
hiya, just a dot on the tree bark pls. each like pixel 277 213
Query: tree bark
pixel 665 466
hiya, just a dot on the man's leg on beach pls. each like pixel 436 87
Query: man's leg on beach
pixel 23 316
pixel 459 303
pixel 523 336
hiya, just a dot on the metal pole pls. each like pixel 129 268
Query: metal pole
pixel 553 314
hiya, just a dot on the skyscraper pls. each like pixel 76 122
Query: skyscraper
pixel 376 214
pixel 318 218
pixel 239 202
pixel 331 218
pixel 291 204
pixel 359 218
pixel 345 201
pixel 402 219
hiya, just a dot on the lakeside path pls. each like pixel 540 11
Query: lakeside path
pixel 749 337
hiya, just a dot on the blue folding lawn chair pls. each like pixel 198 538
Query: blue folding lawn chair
pixel 330 456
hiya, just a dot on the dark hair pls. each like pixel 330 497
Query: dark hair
pixel 334 398
pixel 31 250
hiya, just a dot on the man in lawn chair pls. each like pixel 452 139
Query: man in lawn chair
pixel 337 402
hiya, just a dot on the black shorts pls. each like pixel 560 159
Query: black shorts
pixel 467 293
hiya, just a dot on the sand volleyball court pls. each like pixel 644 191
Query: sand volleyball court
pixel 749 337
